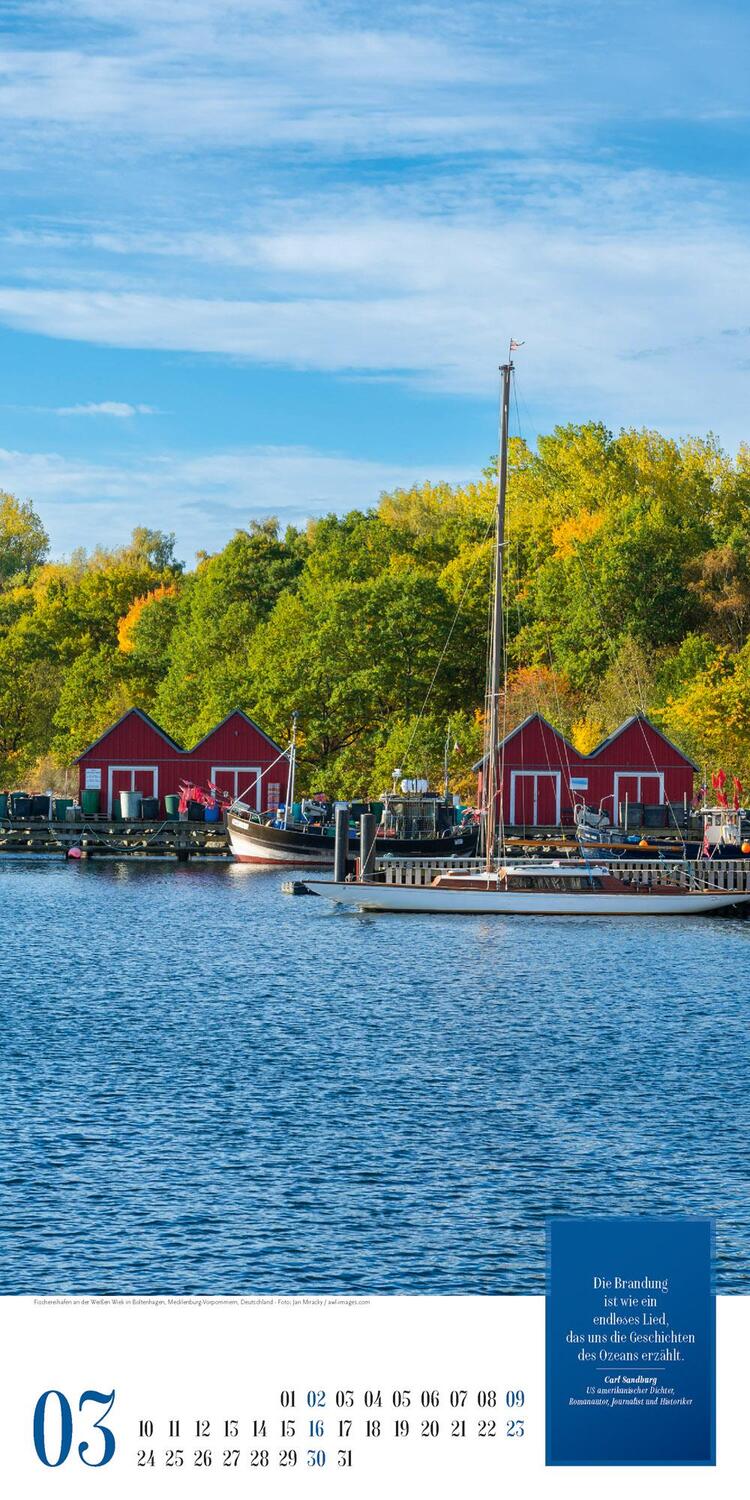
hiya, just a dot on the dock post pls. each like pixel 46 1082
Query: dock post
pixel 367 830
pixel 341 841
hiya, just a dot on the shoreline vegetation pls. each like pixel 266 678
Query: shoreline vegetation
pixel 627 588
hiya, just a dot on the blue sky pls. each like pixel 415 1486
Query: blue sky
pixel 263 256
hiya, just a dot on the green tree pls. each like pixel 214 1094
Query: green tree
pixel 98 688
pixel 24 543
pixel 351 656
pixel 27 696
pixel 220 607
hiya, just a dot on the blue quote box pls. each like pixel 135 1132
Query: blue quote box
pixel 631 1342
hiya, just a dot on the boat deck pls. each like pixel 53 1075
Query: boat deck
pixel 640 874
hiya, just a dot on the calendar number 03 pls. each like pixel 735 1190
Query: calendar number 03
pixel 53 1429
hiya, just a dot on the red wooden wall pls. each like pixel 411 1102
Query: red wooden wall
pixel 539 765
pixel 237 754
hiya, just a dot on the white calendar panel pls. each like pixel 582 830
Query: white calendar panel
pixel 280 1397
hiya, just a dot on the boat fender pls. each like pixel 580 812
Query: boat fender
pixel 74 853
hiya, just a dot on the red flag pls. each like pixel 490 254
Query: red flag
pixel 737 792
pixel 718 779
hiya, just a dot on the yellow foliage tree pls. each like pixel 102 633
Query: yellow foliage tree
pixel 586 734
pixel 126 626
pixel 575 531
pixel 711 719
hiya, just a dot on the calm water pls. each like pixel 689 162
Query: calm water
pixel 208 1087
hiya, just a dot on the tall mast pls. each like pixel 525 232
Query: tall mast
pixel 289 799
pixel 496 662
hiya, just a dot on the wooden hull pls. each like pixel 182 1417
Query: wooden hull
pixel 258 843
pixel 632 903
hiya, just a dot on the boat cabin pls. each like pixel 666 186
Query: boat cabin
pixel 414 812
pixel 721 825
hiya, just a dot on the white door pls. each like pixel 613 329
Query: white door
pixel 144 779
pixel 535 798
pixel 639 786
pixel 243 783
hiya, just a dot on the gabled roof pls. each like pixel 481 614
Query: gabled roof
pixel 531 719
pixel 643 720
pixel 128 714
pixel 234 714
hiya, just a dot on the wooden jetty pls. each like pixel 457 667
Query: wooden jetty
pixel 105 838
pixel 723 874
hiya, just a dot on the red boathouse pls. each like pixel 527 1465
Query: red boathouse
pixel 135 754
pixel 544 776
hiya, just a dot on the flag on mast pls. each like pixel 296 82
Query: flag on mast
pixel 514 344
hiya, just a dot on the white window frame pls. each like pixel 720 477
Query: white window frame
pixel 638 775
pixel 514 777
pixel 243 777
pixel 132 769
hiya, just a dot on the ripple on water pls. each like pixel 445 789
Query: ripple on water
pixel 209 1087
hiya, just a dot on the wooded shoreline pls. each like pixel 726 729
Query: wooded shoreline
pixel 627 588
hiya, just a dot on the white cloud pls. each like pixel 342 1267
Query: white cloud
pixel 105 409
pixel 267 77
pixel 387 193
pixel 203 499
pixel 434 303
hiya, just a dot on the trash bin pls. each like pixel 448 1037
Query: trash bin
pixel 654 817
pixel 635 814
pixel 196 812
pixel 20 805
pixel 130 804
pixel 150 808
pixel 40 807
pixel 677 818
pixel 212 814
pixel 172 806
pixel 3 804
pixel 90 802
pixel 61 807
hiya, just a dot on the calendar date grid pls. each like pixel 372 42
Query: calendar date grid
pixel 317 1428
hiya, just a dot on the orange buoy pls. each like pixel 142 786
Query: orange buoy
pixel 746 847
pixel 643 844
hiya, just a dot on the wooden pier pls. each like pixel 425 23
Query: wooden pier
pixel 722 874
pixel 104 838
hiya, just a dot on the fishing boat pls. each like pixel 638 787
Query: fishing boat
pixel 420 825
pixel 526 888
pixel 723 838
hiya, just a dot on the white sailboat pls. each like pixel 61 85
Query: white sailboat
pixel 533 888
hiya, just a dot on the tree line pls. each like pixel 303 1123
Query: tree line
pixel 627 587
